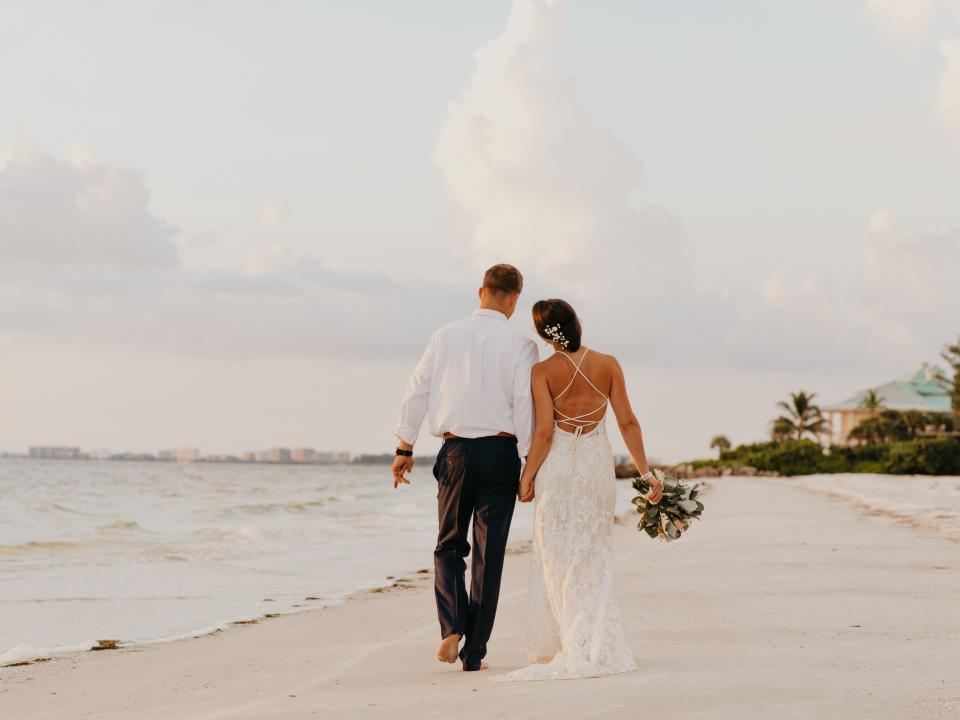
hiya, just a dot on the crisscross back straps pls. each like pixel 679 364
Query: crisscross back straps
pixel 578 420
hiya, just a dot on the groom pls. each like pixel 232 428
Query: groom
pixel 473 383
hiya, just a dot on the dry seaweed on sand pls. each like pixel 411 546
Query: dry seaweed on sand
pixel 21 663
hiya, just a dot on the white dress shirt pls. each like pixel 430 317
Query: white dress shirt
pixel 473 380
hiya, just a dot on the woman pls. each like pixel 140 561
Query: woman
pixel 574 628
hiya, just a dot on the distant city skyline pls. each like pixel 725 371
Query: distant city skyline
pixel 278 455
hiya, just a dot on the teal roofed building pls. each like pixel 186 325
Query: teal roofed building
pixel 924 390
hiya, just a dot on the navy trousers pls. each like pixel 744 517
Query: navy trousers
pixel 477 479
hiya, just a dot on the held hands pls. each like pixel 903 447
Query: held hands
pixel 525 492
pixel 656 489
pixel 401 466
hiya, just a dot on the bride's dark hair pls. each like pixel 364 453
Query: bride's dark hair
pixel 550 314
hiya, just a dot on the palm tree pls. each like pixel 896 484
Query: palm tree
pixel 871 402
pixel 802 418
pixel 782 429
pixel 720 443
pixel 951 353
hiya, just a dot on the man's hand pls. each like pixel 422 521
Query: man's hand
pixel 526 490
pixel 401 465
pixel 656 490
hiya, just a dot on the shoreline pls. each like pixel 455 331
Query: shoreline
pixel 325 584
pixel 406 580
pixel 411 579
pixel 392 583
pixel 403 580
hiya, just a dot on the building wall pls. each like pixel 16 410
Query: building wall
pixel 188 454
pixel 54 452
pixel 278 455
pixel 842 422
pixel 303 455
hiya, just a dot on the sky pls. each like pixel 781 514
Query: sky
pixel 233 225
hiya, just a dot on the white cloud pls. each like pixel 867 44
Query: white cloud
pixel 780 289
pixel 83 258
pixel 539 182
pixel 274 213
pixel 79 212
pixel 898 307
pixel 904 20
pixel 912 21
pixel 81 155
pixel 948 88
pixel 912 274
pixel 901 306
pixel 273 258
pixel 542 185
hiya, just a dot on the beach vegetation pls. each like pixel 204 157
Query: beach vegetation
pixel 787 457
pixel 890 426
pixel 951 355
pixel 926 456
pixel 802 417
pixel 872 402
pixel 916 456
pixel 720 443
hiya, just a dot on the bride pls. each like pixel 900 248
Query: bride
pixel 574 625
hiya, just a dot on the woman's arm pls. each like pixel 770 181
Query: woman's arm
pixel 542 432
pixel 630 429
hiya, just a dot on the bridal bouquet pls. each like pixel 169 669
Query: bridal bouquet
pixel 677 508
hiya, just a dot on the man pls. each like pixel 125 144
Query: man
pixel 473 382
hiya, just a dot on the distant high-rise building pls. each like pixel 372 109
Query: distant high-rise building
pixel 188 454
pixel 278 455
pixel 54 452
pixel 332 458
pixel 220 457
pixel 248 457
pixel 167 455
pixel 303 455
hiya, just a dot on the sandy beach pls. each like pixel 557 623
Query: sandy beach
pixel 784 602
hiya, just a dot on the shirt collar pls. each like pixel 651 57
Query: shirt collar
pixel 490 313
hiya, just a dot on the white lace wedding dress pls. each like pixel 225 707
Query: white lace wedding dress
pixel 574 625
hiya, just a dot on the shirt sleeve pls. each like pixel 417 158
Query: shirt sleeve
pixel 523 397
pixel 416 398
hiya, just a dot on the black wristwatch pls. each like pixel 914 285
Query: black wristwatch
pixel 405 453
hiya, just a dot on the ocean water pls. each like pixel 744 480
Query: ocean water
pixel 142 552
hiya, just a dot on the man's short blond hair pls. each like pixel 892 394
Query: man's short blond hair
pixel 503 279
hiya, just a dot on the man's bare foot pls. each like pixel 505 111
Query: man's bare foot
pixel 449 648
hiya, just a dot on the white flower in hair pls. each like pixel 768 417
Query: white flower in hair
pixel 556 334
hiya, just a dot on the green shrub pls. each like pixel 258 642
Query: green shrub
pixel 922 456
pixel 790 457
pixel 934 456
pixel 860 459
pixel 893 425
pixel 867 466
